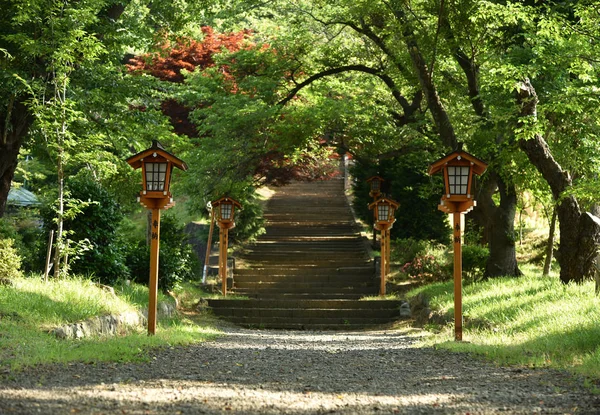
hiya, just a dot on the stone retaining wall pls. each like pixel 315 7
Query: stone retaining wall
pixel 111 324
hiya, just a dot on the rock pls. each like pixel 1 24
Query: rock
pixel 6 282
pixel 405 310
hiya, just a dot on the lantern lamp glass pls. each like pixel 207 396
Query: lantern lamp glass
pixel 375 185
pixel 156 175
pixel 383 212
pixel 226 210
pixel 458 179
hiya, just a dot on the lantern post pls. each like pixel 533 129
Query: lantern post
pixel 458 169
pixel 157 167
pixel 209 241
pixel 384 211
pixel 224 210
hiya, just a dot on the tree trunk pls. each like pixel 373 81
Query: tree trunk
pixel 15 121
pixel 550 244
pixel 579 232
pixel 498 223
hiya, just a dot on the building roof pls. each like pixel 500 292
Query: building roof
pixel 21 197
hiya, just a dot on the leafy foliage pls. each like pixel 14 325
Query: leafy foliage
pixel 97 223
pixel 177 262
pixel 10 261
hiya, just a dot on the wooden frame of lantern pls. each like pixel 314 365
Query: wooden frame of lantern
pixel 157 166
pixel 384 211
pixel 224 213
pixel 458 169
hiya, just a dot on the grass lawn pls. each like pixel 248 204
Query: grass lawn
pixel 30 308
pixel 533 321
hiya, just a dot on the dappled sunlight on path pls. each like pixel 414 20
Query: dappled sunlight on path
pixel 268 372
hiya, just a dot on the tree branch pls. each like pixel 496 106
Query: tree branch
pixel 409 108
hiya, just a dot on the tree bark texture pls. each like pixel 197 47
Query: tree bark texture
pixel 498 223
pixel 579 231
pixel 550 244
pixel 15 121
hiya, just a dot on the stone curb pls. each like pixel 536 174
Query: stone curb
pixel 111 324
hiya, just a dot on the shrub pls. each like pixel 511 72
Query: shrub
pixel 98 223
pixel 10 261
pixel 405 250
pixel 474 259
pixel 176 263
pixel 426 268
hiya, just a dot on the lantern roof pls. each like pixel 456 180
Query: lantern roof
pixel 226 199
pixel 370 179
pixel 135 161
pixel 384 200
pixel 459 154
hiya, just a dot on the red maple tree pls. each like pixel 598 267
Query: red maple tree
pixel 273 168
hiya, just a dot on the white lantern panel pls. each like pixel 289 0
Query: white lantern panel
pixel 383 212
pixel 226 209
pixel 156 175
pixel 458 180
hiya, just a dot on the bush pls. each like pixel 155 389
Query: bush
pixel 474 259
pixel 10 261
pixel 23 227
pixel 98 223
pixel 176 263
pixel 426 268
pixel 405 250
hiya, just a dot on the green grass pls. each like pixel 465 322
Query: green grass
pixel 532 321
pixel 31 308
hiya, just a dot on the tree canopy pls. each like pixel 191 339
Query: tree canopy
pixel 245 91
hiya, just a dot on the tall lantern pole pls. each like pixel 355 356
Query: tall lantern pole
pixel 157 165
pixel 384 211
pixel 224 209
pixel 458 168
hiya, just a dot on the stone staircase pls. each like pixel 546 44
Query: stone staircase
pixel 310 268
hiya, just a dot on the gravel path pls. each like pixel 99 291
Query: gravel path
pixel 278 372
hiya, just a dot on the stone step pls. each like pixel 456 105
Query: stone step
pixel 309 314
pixel 321 257
pixel 367 288
pixel 308 279
pixel 300 313
pixel 302 296
pixel 306 303
pixel 306 269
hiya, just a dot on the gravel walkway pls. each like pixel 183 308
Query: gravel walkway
pixel 271 372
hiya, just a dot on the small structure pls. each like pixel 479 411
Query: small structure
pixel 375 186
pixel 224 211
pixel 458 168
pixel 21 197
pixel 157 167
pixel 384 210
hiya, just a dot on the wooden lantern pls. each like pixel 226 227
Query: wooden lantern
pixel 375 186
pixel 224 209
pixel 458 169
pixel 157 165
pixel 385 211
